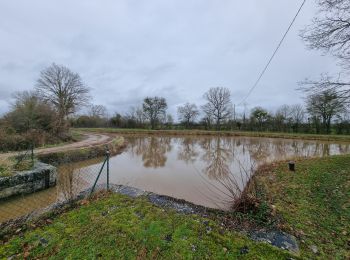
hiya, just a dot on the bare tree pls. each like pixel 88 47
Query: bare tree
pixel 169 121
pixel 330 29
pixel 154 109
pixel 64 89
pixel 139 115
pixel 326 82
pixel 218 106
pixel 188 113
pixel 325 105
pixel 284 112
pixel 207 121
pixel 297 114
pixel 98 111
pixel 330 33
pixel 282 117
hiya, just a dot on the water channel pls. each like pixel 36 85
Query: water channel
pixel 205 170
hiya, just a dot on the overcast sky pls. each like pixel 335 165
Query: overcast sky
pixel 178 49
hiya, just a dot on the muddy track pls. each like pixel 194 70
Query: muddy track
pixel 91 139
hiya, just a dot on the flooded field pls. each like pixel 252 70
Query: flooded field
pixel 209 171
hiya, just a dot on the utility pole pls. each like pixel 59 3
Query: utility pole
pixel 234 112
pixel 245 108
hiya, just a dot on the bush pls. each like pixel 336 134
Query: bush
pixel 38 138
pixel 12 142
pixel 31 121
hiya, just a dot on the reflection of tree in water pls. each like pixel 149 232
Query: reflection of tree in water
pixel 287 148
pixel 152 149
pixel 326 149
pixel 228 165
pixel 217 154
pixel 188 151
pixel 315 149
pixel 259 151
pixel 66 183
pixel 137 145
pixel 344 148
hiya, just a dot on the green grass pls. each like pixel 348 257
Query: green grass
pixel 5 170
pixel 337 138
pixel 119 227
pixel 24 165
pixel 314 203
pixel 76 136
pixel 84 153
pixel 9 165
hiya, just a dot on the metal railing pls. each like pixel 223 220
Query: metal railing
pixel 23 155
pixel 105 162
pixel 75 179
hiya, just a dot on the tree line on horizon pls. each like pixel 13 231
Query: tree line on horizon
pixel 44 115
pixel 326 107
pixel 322 113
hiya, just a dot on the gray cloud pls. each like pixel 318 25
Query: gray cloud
pixel 128 49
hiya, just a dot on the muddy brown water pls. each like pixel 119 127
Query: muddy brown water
pixel 206 170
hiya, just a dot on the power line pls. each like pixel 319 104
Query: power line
pixel 273 55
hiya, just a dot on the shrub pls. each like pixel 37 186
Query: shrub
pixel 12 142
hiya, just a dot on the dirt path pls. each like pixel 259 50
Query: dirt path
pixel 91 139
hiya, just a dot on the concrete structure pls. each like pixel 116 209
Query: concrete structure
pixel 42 176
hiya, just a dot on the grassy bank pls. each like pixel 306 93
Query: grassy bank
pixel 313 204
pixel 8 166
pixel 12 142
pixel 76 136
pixel 117 227
pixel 337 138
pixel 115 146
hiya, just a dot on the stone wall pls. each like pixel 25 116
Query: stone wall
pixel 42 176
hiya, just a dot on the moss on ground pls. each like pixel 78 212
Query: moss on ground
pixel 336 138
pixel 119 227
pixel 314 204
pixel 5 169
pixel 9 165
